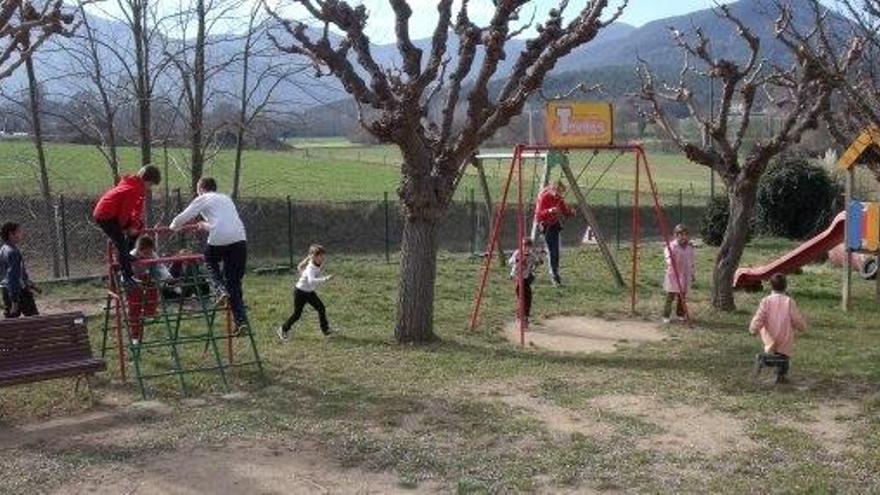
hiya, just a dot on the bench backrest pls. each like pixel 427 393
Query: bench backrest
pixel 43 340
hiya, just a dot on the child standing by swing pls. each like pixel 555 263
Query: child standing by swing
pixel 311 276
pixel 530 263
pixel 679 257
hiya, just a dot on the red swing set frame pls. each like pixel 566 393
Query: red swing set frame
pixel 515 170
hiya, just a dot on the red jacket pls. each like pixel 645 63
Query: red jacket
pixel 550 205
pixel 123 203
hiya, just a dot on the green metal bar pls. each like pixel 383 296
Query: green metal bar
pixel 172 337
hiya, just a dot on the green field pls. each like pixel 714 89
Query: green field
pixel 474 413
pixel 324 170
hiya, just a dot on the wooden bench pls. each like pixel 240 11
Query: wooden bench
pixel 46 347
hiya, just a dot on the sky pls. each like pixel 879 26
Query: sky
pixel 424 17
pixel 381 22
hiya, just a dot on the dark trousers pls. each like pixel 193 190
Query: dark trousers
pixel 527 289
pixel 300 299
pixel 227 280
pixel 122 242
pixel 781 362
pixel 552 234
pixel 679 306
pixel 26 304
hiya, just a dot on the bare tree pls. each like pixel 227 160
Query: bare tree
pixel 258 85
pixel 854 25
pixel 25 27
pixel 135 55
pixel 435 149
pixel 199 58
pixel 800 93
pixel 101 92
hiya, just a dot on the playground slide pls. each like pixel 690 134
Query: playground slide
pixel 750 278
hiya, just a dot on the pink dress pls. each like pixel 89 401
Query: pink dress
pixel 776 321
pixel 684 264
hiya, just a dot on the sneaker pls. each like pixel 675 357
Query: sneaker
pixel 222 299
pixel 282 333
pixel 135 342
pixel 666 321
pixel 557 282
pixel 782 380
pixel 241 329
pixel 329 332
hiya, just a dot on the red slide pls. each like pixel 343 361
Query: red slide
pixel 750 278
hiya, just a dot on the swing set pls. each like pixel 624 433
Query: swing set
pixel 180 320
pixel 571 126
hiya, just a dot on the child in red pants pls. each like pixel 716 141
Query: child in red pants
pixel 144 300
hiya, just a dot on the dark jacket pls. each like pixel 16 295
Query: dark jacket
pixel 13 274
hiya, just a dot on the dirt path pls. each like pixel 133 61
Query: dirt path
pixel 239 467
pixel 578 334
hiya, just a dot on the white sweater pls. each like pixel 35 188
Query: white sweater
pixel 218 210
pixel 311 278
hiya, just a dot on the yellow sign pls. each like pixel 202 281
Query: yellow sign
pixel 575 123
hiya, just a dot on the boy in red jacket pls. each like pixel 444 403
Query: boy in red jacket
pixel 120 214
pixel 549 211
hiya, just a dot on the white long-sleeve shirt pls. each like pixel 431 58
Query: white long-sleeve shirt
pixel 311 278
pixel 218 210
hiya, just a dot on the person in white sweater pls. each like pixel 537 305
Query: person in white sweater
pixel 227 245
pixel 311 276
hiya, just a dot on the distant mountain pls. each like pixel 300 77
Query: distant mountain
pixel 608 59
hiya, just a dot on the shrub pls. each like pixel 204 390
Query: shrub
pixel 795 198
pixel 714 220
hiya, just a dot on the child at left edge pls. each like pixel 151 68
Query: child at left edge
pixel 15 284
pixel 681 253
pixel 532 260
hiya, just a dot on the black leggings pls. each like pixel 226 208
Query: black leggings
pixel 228 278
pixel 527 286
pixel 300 299
pixel 122 242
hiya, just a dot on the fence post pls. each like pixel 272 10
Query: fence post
pixel 617 219
pixel 680 206
pixel 290 231
pixel 473 208
pixel 64 250
pixel 387 230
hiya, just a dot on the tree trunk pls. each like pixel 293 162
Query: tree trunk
pixel 418 269
pixel 236 171
pixel 423 204
pixel 197 119
pixel 143 84
pixel 741 198
pixel 45 191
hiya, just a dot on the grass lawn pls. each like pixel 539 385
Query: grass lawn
pixel 326 170
pixel 474 413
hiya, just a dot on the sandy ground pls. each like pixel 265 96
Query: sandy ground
pixel 577 334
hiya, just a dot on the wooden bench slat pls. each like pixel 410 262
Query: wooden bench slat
pixel 45 347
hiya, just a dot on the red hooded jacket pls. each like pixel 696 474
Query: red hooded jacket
pixel 123 203
pixel 550 205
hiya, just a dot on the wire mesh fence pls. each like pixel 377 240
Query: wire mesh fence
pixel 62 241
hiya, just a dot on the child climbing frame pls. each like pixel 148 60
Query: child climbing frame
pixel 180 320
pixel 515 172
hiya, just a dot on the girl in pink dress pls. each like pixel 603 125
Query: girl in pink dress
pixel 682 256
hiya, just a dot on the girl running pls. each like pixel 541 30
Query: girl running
pixel 311 276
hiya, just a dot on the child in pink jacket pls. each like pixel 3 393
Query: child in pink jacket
pixel 776 321
pixel 682 254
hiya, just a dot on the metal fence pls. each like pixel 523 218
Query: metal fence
pixel 61 240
